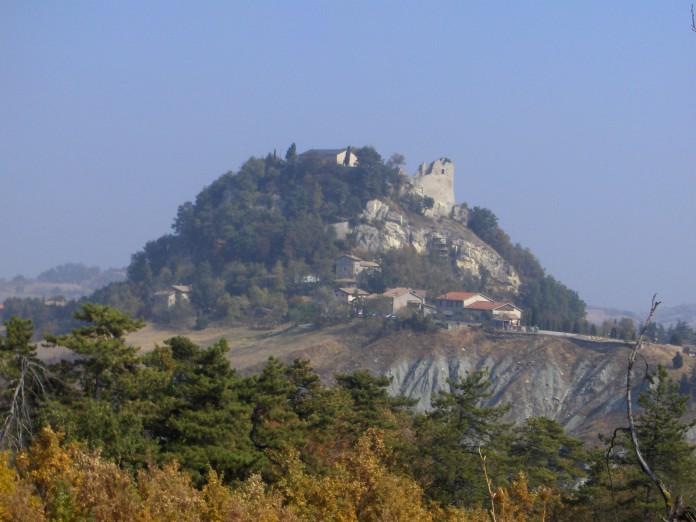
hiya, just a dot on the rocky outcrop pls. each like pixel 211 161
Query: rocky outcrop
pixel 381 228
pixel 543 378
pixel 580 382
pixel 577 381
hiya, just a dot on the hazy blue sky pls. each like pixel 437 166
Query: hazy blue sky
pixel 575 122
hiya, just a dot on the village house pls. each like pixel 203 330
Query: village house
pixel 349 266
pixel 394 300
pixel 475 307
pixel 175 294
pixel 348 295
pixel 504 316
pixel 337 156
pixel 451 302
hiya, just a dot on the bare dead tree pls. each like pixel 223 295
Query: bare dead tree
pixel 693 19
pixel 674 508
pixel 21 393
pixel 489 484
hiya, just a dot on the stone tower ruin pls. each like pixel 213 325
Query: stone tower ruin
pixel 436 181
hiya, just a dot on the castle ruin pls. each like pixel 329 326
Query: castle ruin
pixel 437 182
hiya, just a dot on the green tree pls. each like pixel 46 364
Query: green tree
pixel 197 416
pixel 100 346
pixel 100 410
pixel 483 223
pixel 661 432
pixel 275 423
pixel 617 487
pixel 291 154
pixel 448 438
pixel 547 455
pixel 678 360
pixel 372 406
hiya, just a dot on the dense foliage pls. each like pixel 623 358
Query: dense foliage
pixel 177 434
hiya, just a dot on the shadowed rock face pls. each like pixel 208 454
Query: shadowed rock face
pixel 578 382
pixel 537 379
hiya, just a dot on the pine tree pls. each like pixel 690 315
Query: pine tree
pixel 449 437
pixel 661 432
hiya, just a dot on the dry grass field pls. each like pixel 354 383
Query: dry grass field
pixel 251 348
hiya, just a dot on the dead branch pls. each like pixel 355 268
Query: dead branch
pixel 674 510
pixel 488 484
pixel 693 19
pixel 17 423
pixel 666 495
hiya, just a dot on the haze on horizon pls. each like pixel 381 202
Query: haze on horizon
pixel 574 123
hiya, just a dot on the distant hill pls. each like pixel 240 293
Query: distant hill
pixel 667 316
pixel 597 315
pixel 68 281
pixel 684 312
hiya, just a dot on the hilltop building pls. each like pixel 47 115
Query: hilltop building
pixel 436 181
pixel 338 156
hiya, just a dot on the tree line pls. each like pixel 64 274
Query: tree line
pixel 111 433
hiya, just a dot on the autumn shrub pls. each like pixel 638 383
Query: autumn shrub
pixel 18 500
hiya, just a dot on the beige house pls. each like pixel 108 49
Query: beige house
pixel 338 156
pixel 175 294
pixel 398 299
pixel 476 307
pixel 348 295
pixel 349 266
pixel 502 315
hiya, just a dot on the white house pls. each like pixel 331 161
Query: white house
pixel 175 294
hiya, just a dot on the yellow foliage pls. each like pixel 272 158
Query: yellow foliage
pixel 517 504
pixel 253 502
pixel 217 498
pixel 18 502
pixel 167 494
pixel 363 489
pixel 46 463
pixel 104 491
